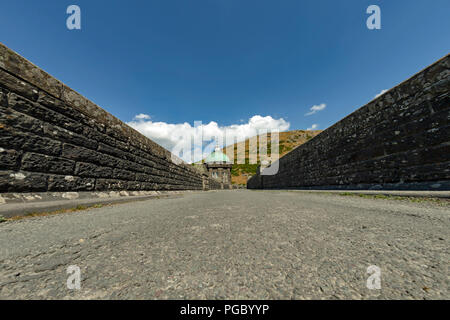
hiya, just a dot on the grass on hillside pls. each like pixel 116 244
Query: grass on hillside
pixel 287 142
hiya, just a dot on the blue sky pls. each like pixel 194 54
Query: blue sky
pixel 229 60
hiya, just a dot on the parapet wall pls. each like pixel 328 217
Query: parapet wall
pixel 400 140
pixel 54 139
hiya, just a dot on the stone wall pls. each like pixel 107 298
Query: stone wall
pixel 215 184
pixel 400 140
pixel 210 183
pixel 54 139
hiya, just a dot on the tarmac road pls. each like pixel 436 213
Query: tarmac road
pixel 238 244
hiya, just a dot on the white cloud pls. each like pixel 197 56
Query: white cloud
pixel 171 135
pixel 316 108
pixel 381 93
pixel 142 116
pixel 313 127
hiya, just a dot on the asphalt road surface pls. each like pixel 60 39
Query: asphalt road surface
pixel 236 244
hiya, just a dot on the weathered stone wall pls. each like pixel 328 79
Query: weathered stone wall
pixel 401 140
pixel 54 139
pixel 209 183
pixel 214 184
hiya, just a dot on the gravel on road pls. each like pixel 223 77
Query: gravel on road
pixel 233 244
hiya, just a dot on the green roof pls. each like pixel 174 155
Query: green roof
pixel 217 156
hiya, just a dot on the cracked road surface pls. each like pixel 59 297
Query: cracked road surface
pixel 236 244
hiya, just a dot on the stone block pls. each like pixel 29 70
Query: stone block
pixel 17 85
pixel 20 181
pixel 91 170
pixel 9 159
pixel 44 163
pixel 70 183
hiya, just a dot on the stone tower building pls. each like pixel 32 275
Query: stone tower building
pixel 219 166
